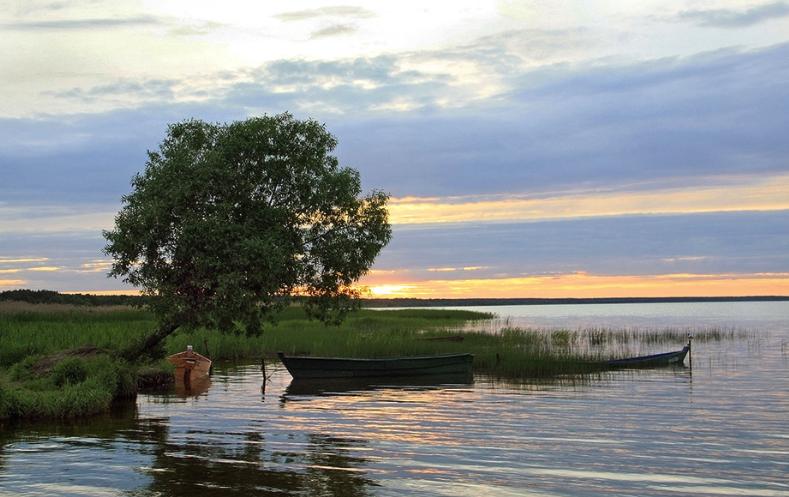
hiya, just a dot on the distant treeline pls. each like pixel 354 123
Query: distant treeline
pixel 52 297
pixel 405 302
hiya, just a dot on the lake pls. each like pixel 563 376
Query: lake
pixel 721 428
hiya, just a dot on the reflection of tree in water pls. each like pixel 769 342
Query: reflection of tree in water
pixel 196 464
pixel 216 468
pixel 4 440
pixel 70 451
pixel 334 472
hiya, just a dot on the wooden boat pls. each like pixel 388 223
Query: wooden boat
pixel 301 367
pixel 189 365
pixel 666 359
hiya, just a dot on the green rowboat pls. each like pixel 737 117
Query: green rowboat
pixel 302 367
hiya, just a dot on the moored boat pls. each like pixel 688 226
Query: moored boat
pixel 302 367
pixel 665 359
pixel 190 365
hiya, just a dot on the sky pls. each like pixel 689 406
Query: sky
pixel 531 149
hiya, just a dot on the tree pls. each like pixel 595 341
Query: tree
pixel 229 222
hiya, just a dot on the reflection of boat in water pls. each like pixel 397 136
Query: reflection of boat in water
pixel 318 386
pixel 340 367
pixel 666 359
pixel 190 366
pixel 193 387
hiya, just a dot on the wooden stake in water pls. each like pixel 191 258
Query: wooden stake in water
pixel 690 351
pixel 265 376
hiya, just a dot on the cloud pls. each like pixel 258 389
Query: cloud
pixel 768 193
pixel 747 242
pixel 729 18
pixel 44 269
pixel 345 11
pixel 96 266
pixel 56 218
pixel 334 30
pixel 711 119
pixel 718 243
pixel 154 89
pixel 17 260
pixel 582 284
pixel 82 24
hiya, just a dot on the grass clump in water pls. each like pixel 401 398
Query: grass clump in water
pixel 73 386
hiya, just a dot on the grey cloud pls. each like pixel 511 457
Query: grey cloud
pixel 346 11
pixel 664 122
pixel 505 52
pixel 34 6
pixel 154 89
pixel 745 242
pixel 334 30
pixel 81 24
pixel 680 120
pixel 88 158
pixel 195 29
pixel 727 18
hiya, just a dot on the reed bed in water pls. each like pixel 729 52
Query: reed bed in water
pixel 27 335
pixel 604 344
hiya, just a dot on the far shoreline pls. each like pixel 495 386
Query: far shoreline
pixel 478 302
pixel 87 298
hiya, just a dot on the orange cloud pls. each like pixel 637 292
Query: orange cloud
pixel 96 266
pixel 44 269
pixel 12 282
pixel 453 269
pixel 757 195
pixel 11 260
pixel 591 285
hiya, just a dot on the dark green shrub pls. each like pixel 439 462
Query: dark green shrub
pixel 70 371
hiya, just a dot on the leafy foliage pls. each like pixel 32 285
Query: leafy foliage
pixel 229 221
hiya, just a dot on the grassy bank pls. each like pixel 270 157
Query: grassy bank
pixel 57 360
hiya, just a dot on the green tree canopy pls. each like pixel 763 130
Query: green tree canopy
pixel 229 221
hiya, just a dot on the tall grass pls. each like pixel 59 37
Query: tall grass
pixel 27 330
pixel 28 333
pixel 74 387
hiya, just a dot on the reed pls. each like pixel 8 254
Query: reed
pixel 74 387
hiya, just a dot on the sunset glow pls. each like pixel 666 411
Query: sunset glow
pixel 770 194
pixel 529 149
pixel 582 285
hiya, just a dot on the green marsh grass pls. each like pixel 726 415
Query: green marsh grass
pixel 73 388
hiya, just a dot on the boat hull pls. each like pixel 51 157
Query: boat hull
pixel 666 359
pixel 339 367
pixel 190 365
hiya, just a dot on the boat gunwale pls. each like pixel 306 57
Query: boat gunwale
pixel 654 357
pixel 282 355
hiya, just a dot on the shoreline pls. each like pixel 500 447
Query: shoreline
pixel 478 302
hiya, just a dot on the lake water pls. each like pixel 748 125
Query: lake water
pixel 720 429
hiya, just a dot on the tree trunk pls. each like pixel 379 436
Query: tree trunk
pixel 136 350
